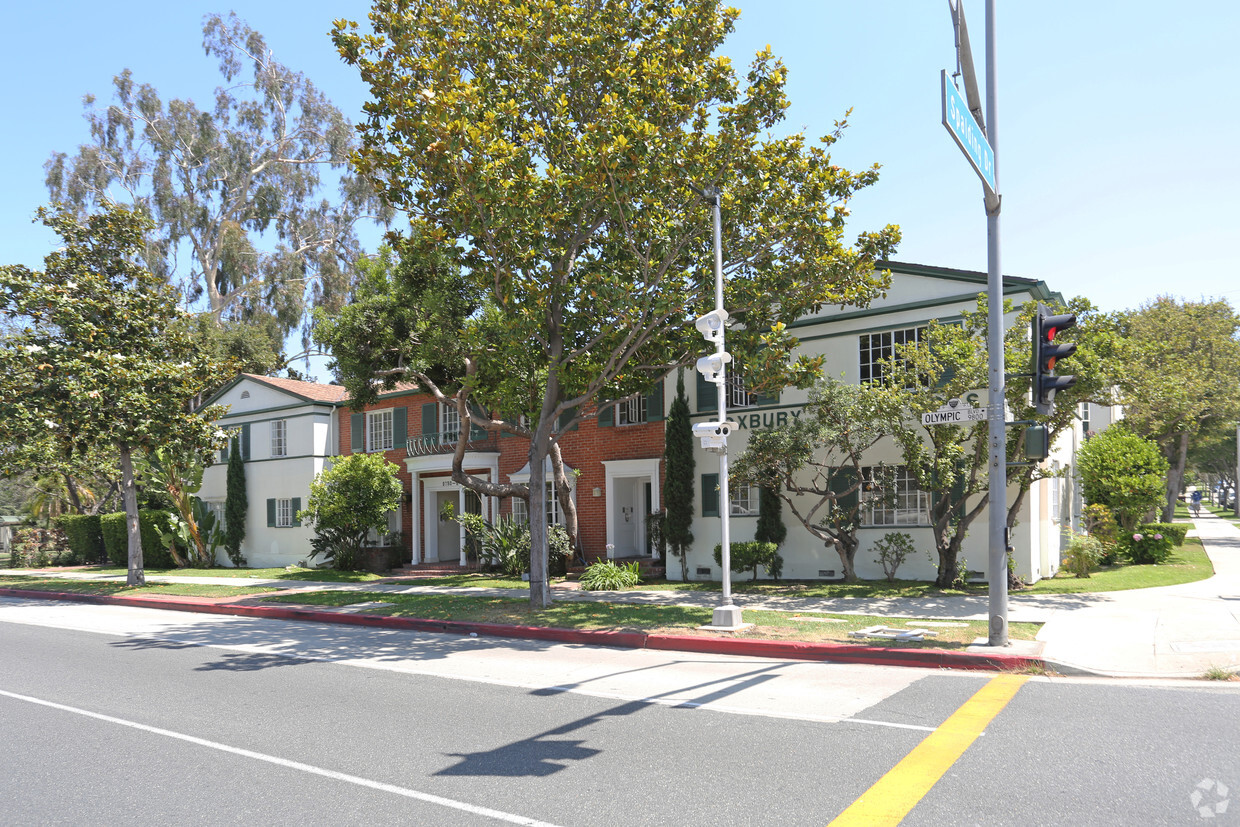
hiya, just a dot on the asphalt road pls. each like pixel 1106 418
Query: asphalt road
pixel 112 715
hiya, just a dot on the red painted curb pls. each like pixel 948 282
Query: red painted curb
pixel 784 649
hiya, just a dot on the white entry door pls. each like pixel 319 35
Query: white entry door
pixel 448 538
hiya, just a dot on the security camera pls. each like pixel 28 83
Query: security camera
pixel 714 435
pixel 712 366
pixel 712 324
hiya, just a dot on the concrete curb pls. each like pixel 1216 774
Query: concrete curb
pixel 793 650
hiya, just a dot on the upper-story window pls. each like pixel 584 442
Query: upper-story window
pixel 379 431
pixel 449 424
pixel 738 395
pixel 877 349
pixel 631 412
pixel 279 438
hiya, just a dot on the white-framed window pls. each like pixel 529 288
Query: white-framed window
pixel 1056 491
pixel 904 504
pixel 631 412
pixel 555 516
pixel 379 431
pixel 738 395
pixel 279 438
pixel 743 499
pixel 284 513
pixel 877 348
pixel 449 424
pixel 216 508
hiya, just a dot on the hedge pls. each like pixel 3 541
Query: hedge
pixel 116 539
pixel 748 556
pixel 1175 531
pixel 85 536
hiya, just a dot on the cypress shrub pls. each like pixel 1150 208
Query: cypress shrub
pixel 85 536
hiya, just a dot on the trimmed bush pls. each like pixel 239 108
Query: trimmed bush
pixel 748 556
pixel 84 535
pixel 605 575
pixel 151 523
pixel 1082 554
pixel 1146 546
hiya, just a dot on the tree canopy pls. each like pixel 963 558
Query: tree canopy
pixel 235 187
pixel 103 355
pixel 554 149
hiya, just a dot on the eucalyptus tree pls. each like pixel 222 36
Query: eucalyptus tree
pixel 236 187
pixel 103 357
pixel 554 148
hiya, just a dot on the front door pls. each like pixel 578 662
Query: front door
pixel 448 539
pixel 629 519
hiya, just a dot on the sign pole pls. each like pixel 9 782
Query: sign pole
pixel 998 435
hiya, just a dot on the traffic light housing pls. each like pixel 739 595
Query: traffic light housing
pixel 1046 353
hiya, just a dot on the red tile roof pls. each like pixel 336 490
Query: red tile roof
pixel 309 390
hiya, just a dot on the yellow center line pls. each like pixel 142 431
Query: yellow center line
pixel 896 793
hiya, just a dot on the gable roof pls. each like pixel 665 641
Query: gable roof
pixel 309 391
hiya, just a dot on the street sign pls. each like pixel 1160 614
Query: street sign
pixel 955 416
pixel 968 135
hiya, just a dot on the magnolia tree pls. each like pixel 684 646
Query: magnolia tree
pixel 101 355
pixel 552 149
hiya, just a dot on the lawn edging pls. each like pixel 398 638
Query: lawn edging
pixel 792 650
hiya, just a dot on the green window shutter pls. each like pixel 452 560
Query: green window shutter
pixel 841 480
pixel 271 513
pixel 357 436
pixel 707 394
pixel 296 503
pixel 400 427
pixel 430 419
pixel 654 403
pixel 607 415
pixel 476 432
pixel 245 441
pixel 710 495
pixel 565 418
pixel 227 446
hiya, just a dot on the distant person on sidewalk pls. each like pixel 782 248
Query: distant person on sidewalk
pixel 1196 499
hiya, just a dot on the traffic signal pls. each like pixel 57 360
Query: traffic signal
pixel 1046 354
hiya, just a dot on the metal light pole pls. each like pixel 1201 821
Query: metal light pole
pixel 714 435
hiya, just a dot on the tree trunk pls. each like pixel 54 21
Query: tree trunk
pixel 1175 476
pixel 848 554
pixel 947 567
pixel 137 575
pixel 540 587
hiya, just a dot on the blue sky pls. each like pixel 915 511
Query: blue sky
pixel 1119 129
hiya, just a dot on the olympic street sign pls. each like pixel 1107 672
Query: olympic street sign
pixel 955 416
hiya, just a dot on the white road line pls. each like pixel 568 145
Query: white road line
pixel 295 765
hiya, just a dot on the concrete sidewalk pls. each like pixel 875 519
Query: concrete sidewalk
pixel 1172 631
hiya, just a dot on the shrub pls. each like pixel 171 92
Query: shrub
pixel 1083 553
pixel 893 549
pixel 346 502
pixel 151 524
pixel 84 536
pixel 605 575
pixel 36 548
pixel 1125 472
pixel 506 544
pixel 1175 532
pixel 748 556
pixel 1146 546
pixel 1100 524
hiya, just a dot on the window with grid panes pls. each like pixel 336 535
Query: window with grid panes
pixel 743 499
pixel 878 348
pixel 907 505
pixel 631 412
pixel 379 431
pixel 449 424
pixel 279 438
pixel 284 513
pixel 521 509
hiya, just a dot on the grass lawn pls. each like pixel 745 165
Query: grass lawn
pixel 665 619
pixel 1186 564
pixel 290 573
pixel 1225 513
pixel 815 588
pixel 57 584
